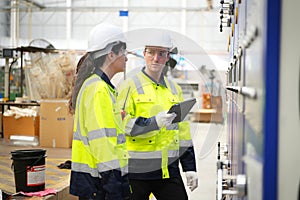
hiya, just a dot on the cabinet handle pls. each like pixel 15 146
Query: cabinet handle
pixel 245 91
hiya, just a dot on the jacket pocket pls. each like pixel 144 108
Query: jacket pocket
pixel 144 105
pixel 143 140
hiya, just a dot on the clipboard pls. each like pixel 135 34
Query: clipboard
pixel 182 109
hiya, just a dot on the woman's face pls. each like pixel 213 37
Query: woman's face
pixel 120 61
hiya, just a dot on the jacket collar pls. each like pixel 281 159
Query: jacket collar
pixel 161 79
pixel 103 76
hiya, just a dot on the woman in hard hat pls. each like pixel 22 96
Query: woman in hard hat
pixel 155 145
pixel 99 155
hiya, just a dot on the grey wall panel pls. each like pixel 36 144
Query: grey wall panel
pixel 289 113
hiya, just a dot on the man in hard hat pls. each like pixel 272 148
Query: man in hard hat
pixel 155 144
pixel 99 155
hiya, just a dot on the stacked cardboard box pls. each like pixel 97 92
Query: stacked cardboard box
pixel 25 126
pixel 56 124
pixel 214 114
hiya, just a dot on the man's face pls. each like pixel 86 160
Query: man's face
pixel 156 58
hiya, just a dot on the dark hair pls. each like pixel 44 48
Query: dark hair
pixel 85 68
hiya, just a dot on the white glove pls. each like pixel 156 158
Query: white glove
pixel 191 180
pixel 164 119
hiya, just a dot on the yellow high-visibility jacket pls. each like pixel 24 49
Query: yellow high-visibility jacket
pixel 154 152
pixel 99 141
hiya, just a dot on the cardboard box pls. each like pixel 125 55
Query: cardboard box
pixel 207 115
pixel 56 124
pixel 25 126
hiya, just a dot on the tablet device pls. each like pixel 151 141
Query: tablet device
pixel 182 109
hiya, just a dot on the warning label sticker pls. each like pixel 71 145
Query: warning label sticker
pixel 36 175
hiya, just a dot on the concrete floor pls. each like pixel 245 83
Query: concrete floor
pixel 205 137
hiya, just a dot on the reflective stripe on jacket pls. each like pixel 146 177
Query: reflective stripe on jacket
pixel 157 149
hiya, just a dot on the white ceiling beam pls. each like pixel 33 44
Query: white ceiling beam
pixel 110 8
pixel 68 23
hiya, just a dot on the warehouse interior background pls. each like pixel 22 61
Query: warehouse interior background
pixel 240 59
pixel 65 25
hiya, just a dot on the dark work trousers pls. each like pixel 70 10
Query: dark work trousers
pixel 164 189
pixel 112 186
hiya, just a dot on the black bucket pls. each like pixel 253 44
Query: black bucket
pixel 29 169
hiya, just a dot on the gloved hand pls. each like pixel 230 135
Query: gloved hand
pixel 164 119
pixel 191 180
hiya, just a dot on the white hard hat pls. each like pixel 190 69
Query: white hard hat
pixel 158 38
pixel 102 35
